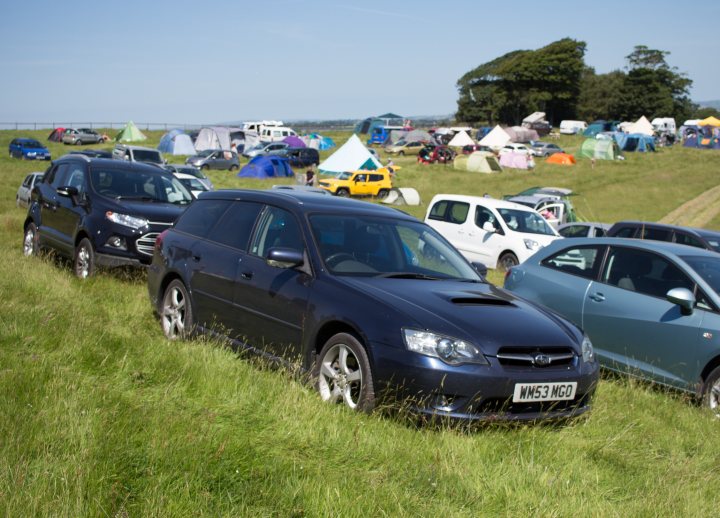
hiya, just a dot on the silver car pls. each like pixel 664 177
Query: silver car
pixel 80 136
pixel 22 198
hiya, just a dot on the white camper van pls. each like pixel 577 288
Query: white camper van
pixel 664 125
pixel 572 127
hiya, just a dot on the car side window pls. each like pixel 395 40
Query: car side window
pixel 643 272
pixel 59 176
pixel 201 216
pixel 655 234
pixel 625 232
pixel 236 224
pixel 583 261
pixel 458 212
pixel 76 177
pixel 573 231
pixel 484 215
pixel 686 239
pixel 439 210
pixel 277 229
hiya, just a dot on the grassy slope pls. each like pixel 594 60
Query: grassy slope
pixel 99 414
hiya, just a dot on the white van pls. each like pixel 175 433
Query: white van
pixel 572 127
pixel 497 233
pixel 275 133
pixel 664 125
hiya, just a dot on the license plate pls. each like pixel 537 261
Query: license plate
pixel 526 392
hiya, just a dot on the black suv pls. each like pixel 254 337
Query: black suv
pixel 697 237
pixel 302 156
pixel 102 212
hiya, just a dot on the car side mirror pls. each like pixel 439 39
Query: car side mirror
pixel 285 258
pixel 488 227
pixel 684 298
pixel 481 269
pixel 67 191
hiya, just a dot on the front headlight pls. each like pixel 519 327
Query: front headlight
pixel 126 220
pixel 531 244
pixel 31 153
pixel 448 349
pixel 588 352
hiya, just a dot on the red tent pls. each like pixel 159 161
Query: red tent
pixel 56 135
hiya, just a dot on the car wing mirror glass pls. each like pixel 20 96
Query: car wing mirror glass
pixel 285 257
pixel 488 227
pixel 684 298
pixel 67 191
pixel 481 269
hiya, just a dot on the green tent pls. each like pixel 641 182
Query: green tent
pixel 600 149
pixel 130 133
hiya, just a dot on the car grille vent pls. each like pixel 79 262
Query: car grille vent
pixel 479 301
pixel 146 243
pixel 536 356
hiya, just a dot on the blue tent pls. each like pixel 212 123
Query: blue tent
pixel 176 142
pixel 634 141
pixel 267 167
pixel 600 126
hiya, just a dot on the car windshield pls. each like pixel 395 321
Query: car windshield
pixel 708 268
pixel 370 246
pixel 122 184
pixel 713 241
pixel 525 221
pixel 193 184
pixel 191 170
pixel 32 144
pixel 343 176
pixel 401 143
pixel 142 155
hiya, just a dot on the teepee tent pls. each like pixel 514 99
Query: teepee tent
pixel 130 133
pixel 496 139
pixel 461 139
pixel 642 126
pixel 351 156
pixel 215 137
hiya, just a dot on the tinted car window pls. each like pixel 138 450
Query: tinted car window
pixel 277 229
pixel 574 231
pixel 644 272
pixel 583 261
pixel 58 177
pixel 484 215
pixel 201 216
pixel 655 234
pixel 236 225
pixel 76 177
pixel 686 239
pixel 625 232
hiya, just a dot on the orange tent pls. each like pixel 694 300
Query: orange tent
pixel 561 158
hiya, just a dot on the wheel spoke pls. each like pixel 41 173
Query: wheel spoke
pixel 327 371
pixel 348 397
pixel 342 359
pixel 353 376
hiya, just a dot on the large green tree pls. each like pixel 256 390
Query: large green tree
pixel 508 88
pixel 600 95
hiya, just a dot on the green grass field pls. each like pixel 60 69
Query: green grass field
pixel 101 416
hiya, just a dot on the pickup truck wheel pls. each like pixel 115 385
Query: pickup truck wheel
pixel 507 261
pixel 30 240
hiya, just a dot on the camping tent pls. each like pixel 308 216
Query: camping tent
pixel 176 142
pixel 517 160
pixel 496 139
pixel 317 141
pixel 635 142
pixel 351 156
pixel 130 133
pixel 418 136
pixel 598 127
pixel 216 137
pixel 520 134
pixel 601 149
pixel 267 166
pixel 56 135
pixel 642 126
pixel 561 159
pixel 483 162
pixel 294 141
pixel 710 121
pixel 461 139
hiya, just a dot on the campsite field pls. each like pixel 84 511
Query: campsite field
pixel 100 416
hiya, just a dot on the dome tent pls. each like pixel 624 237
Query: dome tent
pixel 561 159
pixel 176 142
pixel 600 149
pixel 267 166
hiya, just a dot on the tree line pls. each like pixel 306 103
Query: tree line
pixel 556 80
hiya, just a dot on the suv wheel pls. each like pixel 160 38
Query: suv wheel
pixel 84 263
pixel 342 192
pixel 176 312
pixel 382 194
pixel 30 241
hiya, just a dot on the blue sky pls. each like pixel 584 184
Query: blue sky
pixel 210 61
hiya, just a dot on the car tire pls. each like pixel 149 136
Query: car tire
pixel 711 391
pixel 84 260
pixel 343 193
pixel 30 240
pixel 401 153
pixel 176 315
pixel 78 142
pixel 234 167
pixel 343 374
pixel 507 261
pixel 382 194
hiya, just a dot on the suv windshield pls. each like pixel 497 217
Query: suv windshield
pixel 368 246
pixel 133 185
pixel 524 221
pixel 147 155
pixel 343 176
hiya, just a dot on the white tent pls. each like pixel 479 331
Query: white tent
pixel 496 139
pixel 642 125
pixel 461 139
pixel 215 137
pixel 351 156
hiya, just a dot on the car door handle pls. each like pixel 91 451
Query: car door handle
pixel 196 257
pixel 597 297
pixel 246 275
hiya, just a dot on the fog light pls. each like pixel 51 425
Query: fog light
pixel 117 242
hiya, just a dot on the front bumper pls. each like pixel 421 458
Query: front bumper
pixel 430 387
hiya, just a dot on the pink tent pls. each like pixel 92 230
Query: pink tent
pixel 516 161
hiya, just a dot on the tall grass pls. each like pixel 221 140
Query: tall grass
pixel 100 416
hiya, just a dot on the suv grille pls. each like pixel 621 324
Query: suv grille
pixel 536 356
pixel 145 244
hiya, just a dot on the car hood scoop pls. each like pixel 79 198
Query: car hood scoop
pixel 467 299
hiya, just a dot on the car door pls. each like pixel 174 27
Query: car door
pixel 634 328
pixel 70 208
pixel 554 213
pixel 483 246
pixel 360 185
pixel 273 300
pixel 48 201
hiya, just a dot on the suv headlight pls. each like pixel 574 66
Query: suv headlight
pixel 448 349
pixel 588 353
pixel 531 244
pixel 126 220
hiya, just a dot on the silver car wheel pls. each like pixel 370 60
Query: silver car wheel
pixel 83 262
pixel 174 312
pixel 713 400
pixel 340 376
pixel 30 240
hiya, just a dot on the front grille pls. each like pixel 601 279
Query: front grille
pixel 536 356
pixel 145 244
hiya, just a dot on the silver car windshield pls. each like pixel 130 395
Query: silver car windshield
pixel 371 246
pixel 708 268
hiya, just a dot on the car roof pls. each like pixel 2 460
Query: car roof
pixel 585 224
pixel 699 231
pixel 488 202
pixel 309 202
pixel 112 163
pixel 666 247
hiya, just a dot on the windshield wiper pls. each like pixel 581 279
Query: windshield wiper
pixel 136 198
pixel 410 275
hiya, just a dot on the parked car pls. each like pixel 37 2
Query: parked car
pixel 101 212
pixel 194 171
pixel 94 153
pixel 514 148
pixel 569 127
pixel 497 233
pixel 544 149
pixel 303 188
pixel 651 308
pixel 275 133
pixel 215 159
pixel 192 184
pixel 22 198
pixel 80 136
pixel 553 203
pixel 583 229
pixel 431 154
pixel 266 148
pixel 471 148
pixel 404 148
pixel 373 303
pixel 138 154
pixel 28 149
pixel 698 237
pixel 359 183
pixel 302 156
